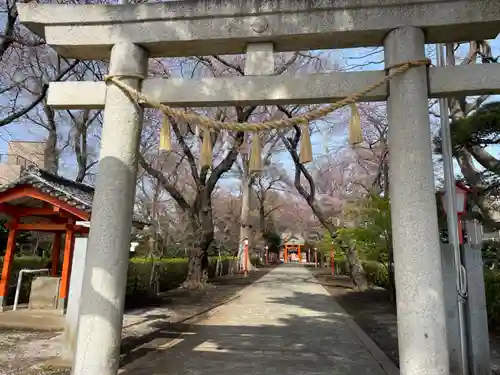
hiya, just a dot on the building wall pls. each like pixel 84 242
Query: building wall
pixel 19 155
pixel 32 151
pixel 9 173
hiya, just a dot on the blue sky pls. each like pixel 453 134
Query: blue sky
pixel 360 59
pixel 353 59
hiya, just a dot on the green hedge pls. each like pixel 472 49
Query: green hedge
pixel 377 274
pixel 172 273
pixel 492 288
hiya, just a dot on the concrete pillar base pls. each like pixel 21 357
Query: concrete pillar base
pixel 61 304
pixel 75 292
pixel 3 301
pixel 477 317
pixel 450 295
pixel 58 362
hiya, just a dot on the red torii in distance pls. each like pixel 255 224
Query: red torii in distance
pixel 31 206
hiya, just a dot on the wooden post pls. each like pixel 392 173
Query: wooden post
pixel 56 251
pixel 298 253
pixel 315 258
pixel 69 243
pixel 285 255
pixel 7 262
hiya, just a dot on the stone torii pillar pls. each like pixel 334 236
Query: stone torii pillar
pixel 422 334
pixel 103 290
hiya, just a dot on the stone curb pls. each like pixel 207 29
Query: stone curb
pixel 387 365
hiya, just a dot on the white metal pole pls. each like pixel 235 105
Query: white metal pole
pixel 19 282
pixel 452 219
pixel 18 288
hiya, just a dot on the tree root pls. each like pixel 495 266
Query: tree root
pixel 196 285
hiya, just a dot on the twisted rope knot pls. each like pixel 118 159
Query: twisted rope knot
pixel 213 125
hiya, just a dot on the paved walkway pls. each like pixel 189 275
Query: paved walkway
pixel 285 323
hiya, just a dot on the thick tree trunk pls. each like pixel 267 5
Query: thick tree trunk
pixel 7 38
pixel 197 276
pixel 262 217
pixel 356 267
pixel 81 151
pixel 51 157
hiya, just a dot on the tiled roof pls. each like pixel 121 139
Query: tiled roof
pixel 294 239
pixel 73 193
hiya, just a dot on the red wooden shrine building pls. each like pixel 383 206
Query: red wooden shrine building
pixel 42 201
pixel 292 249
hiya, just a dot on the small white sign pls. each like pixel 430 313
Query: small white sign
pixel 83 223
pixel 133 245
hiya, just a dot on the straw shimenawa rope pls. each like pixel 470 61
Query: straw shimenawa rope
pixel 212 125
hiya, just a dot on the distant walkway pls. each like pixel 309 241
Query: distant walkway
pixel 285 323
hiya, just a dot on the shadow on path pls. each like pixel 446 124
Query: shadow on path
pixel 285 323
pixel 222 290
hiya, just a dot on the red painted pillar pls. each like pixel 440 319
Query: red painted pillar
pixel 69 244
pixel 333 261
pixel 460 231
pixel 7 262
pixel 56 251
pixel 246 257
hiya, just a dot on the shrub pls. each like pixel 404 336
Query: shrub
pixel 255 260
pixel 172 273
pixel 375 272
pixel 492 289
pixel 341 267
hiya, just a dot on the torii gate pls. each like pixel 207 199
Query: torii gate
pixel 129 34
